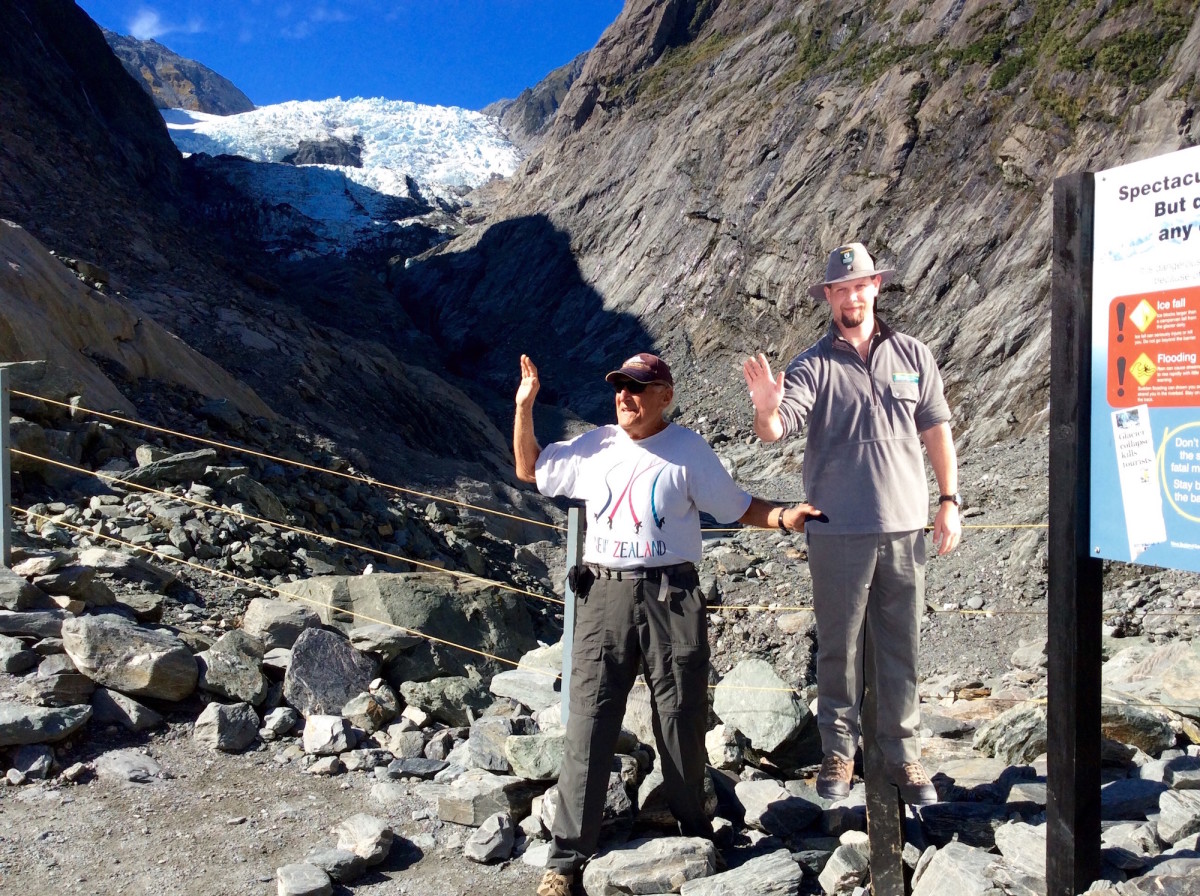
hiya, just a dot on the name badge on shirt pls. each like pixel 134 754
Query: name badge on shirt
pixel 906 377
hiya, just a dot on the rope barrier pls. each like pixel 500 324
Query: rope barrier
pixel 195 502
pixel 379 552
pixel 277 590
pixel 433 638
pixel 369 480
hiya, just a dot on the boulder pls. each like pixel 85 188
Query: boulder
pixel 488 620
pixel 325 672
pixel 661 865
pixel 760 704
pixel 21 724
pixel 138 661
pixel 277 623
pixel 18 594
pixel 232 668
pixel 366 836
pixel 227 727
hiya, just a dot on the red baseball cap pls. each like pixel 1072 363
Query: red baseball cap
pixel 644 368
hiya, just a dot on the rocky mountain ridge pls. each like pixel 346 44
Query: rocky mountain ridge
pixel 174 82
pixel 710 154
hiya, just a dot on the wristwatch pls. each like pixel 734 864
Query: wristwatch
pixel 955 499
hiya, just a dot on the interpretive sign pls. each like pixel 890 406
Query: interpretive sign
pixel 1145 445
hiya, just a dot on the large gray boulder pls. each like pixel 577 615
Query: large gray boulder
pixel 21 724
pixel 17 594
pixel 278 623
pixel 454 700
pixel 125 657
pixel 325 673
pixel 470 614
pixel 755 700
pixel 661 865
pixel 187 466
pixel 232 668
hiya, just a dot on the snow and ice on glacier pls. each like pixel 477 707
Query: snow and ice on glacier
pixel 441 151
pixel 437 146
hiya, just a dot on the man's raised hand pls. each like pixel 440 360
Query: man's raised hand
pixel 766 391
pixel 528 389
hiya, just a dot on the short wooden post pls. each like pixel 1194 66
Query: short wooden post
pixel 5 473
pixel 574 558
pixel 1075 580
pixel 885 811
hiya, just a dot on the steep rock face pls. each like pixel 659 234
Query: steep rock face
pixel 174 82
pixel 526 119
pixel 76 126
pixel 88 170
pixel 710 154
pixel 47 313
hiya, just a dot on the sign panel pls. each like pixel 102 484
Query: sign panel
pixel 1145 451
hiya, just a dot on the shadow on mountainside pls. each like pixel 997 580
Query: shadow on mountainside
pixel 518 289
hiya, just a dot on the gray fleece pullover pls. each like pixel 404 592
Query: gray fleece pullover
pixel 864 463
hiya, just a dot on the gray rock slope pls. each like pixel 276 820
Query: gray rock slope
pixel 709 155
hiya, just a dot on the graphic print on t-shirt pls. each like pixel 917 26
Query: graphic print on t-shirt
pixel 610 509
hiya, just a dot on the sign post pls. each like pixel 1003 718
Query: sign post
pixel 1124 447
pixel 1075 584
pixel 575 535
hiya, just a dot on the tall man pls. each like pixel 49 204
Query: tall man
pixel 645 482
pixel 870 398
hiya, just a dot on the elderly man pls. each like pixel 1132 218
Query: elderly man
pixel 644 482
pixel 870 398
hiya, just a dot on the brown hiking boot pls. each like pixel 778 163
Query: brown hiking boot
pixel 833 780
pixel 555 883
pixel 913 783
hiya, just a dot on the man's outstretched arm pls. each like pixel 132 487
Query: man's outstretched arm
pixel 766 515
pixel 525 445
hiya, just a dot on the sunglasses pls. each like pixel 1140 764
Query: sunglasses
pixel 633 387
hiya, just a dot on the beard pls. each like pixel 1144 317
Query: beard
pixel 853 317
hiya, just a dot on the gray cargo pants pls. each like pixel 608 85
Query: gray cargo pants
pixel 620 629
pixel 875 582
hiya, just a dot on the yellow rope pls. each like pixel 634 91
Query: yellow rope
pixel 273 588
pixel 327 538
pixel 283 460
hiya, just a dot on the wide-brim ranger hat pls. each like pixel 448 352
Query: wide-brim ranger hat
pixel 643 368
pixel 849 262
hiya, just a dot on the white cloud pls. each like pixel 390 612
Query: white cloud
pixel 147 24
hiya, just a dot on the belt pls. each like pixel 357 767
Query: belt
pixel 661 574
pixel 636 573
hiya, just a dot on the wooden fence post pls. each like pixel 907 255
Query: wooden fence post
pixel 5 473
pixel 885 811
pixel 1075 580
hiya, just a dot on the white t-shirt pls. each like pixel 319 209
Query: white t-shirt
pixel 643 497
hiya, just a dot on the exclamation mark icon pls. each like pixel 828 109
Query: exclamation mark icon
pixel 1120 321
pixel 1120 375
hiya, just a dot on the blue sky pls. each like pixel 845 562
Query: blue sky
pixel 440 52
